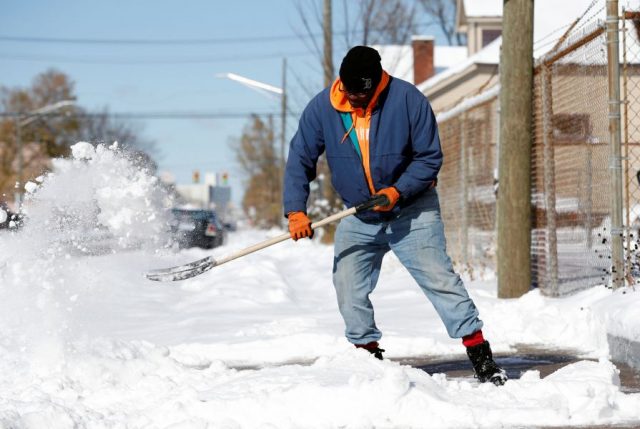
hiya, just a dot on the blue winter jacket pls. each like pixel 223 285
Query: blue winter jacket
pixel 404 150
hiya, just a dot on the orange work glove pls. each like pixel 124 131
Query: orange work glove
pixel 392 194
pixel 299 225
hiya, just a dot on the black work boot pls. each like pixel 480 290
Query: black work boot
pixel 372 348
pixel 483 364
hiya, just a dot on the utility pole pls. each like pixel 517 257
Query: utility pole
pixel 514 180
pixel 283 136
pixel 275 196
pixel 327 32
pixel 328 75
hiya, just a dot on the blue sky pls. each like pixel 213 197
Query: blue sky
pixel 169 77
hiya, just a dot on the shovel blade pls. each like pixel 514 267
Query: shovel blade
pixel 182 272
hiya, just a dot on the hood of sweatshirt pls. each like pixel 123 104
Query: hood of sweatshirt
pixel 339 99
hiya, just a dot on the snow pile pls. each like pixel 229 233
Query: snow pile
pixel 98 192
pixel 97 202
pixel 620 313
pixel 116 384
pixel 538 320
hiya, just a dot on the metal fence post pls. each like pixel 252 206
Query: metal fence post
pixel 589 204
pixel 615 162
pixel 551 248
pixel 627 164
pixel 464 167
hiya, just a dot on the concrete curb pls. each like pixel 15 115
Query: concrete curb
pixel 624 350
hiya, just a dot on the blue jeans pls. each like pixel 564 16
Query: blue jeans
pixel 416 236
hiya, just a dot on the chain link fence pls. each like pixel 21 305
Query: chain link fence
pixel 570 171
pixel 570 165
pixel 467 183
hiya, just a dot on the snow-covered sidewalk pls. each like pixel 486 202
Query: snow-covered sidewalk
pixel 87 341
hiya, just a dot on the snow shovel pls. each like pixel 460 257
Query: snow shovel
pixel 192 269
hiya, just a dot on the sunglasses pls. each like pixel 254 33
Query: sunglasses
pixel 358 94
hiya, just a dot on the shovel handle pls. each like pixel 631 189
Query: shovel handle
pixel 378 200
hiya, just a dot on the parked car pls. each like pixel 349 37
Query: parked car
pixel 197 228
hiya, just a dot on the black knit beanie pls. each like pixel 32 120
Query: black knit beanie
pixel 361 70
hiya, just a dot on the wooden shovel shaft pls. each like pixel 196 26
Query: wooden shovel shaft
pixel 192 269
pixel 283 237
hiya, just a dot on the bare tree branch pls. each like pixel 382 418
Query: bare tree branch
pixel 308 28
pixel 444 14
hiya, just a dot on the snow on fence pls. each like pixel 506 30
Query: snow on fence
pixel 570 172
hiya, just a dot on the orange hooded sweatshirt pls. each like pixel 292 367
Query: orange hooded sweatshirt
pixel 361 119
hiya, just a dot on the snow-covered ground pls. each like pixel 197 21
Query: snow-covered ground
pixel 87 341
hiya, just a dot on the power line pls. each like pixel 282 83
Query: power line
pixel 152 61
pixel 196 41
pixel 223 40
pixel 154 115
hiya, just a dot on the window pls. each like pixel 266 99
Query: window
pixel 489 36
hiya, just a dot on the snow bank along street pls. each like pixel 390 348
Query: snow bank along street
pixel 87 341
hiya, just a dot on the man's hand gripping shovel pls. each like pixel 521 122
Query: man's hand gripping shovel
pixel 198 267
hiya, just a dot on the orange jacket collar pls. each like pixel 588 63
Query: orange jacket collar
pixel 339 99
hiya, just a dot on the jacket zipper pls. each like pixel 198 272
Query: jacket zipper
pixel 361 160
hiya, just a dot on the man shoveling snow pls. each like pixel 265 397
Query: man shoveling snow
pixel 381 138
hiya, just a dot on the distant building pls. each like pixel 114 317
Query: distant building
pixel 447 74
pixel 421 60
pixel 480 20
pixel 214 193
